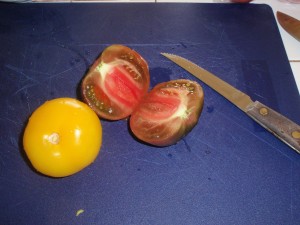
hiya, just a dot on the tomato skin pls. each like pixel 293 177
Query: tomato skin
pixel 62 137
pixel 116 82
pixel 168 112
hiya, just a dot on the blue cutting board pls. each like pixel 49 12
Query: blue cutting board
pixel 228 170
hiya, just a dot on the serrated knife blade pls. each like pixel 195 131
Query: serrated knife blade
pixel 283 128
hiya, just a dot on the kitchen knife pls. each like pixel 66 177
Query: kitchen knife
pixel 290 24
pixel 283 128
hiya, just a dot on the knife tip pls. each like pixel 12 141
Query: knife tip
pixel 279 14
pixel 283 17
pixel 167 55
pixel 164 53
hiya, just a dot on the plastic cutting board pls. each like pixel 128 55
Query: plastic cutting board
pixel 228 170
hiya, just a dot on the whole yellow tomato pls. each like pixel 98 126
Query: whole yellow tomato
pixel 62 137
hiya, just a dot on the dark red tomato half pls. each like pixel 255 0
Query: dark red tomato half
pixel 168 112
pixel 116 82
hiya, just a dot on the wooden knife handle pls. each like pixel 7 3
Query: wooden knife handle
pixel 280 126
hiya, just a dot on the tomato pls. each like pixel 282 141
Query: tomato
pixel 62 137
pixel 168 112
pixel 116 82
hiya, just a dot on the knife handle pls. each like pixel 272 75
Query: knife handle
pixel 285 129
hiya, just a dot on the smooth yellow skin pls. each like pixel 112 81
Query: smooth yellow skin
pixel 62 137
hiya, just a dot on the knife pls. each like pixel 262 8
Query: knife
pixel 290 24
pixel 283 128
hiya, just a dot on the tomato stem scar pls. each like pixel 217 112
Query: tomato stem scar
pixel 54 138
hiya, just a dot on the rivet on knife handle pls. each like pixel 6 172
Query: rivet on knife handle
pixel 282 127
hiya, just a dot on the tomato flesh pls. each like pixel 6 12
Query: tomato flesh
pixel 121 88
pixel 159 107
pixel 168 112
pixel 116 82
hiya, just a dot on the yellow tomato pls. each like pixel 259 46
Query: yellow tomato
pixel 62 137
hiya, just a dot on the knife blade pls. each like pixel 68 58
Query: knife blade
pixel 289 24
pixel 283 128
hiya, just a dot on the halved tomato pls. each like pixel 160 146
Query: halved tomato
pixel 168 112
pixel 116 82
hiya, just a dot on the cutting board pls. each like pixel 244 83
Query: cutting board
pixel 228 170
